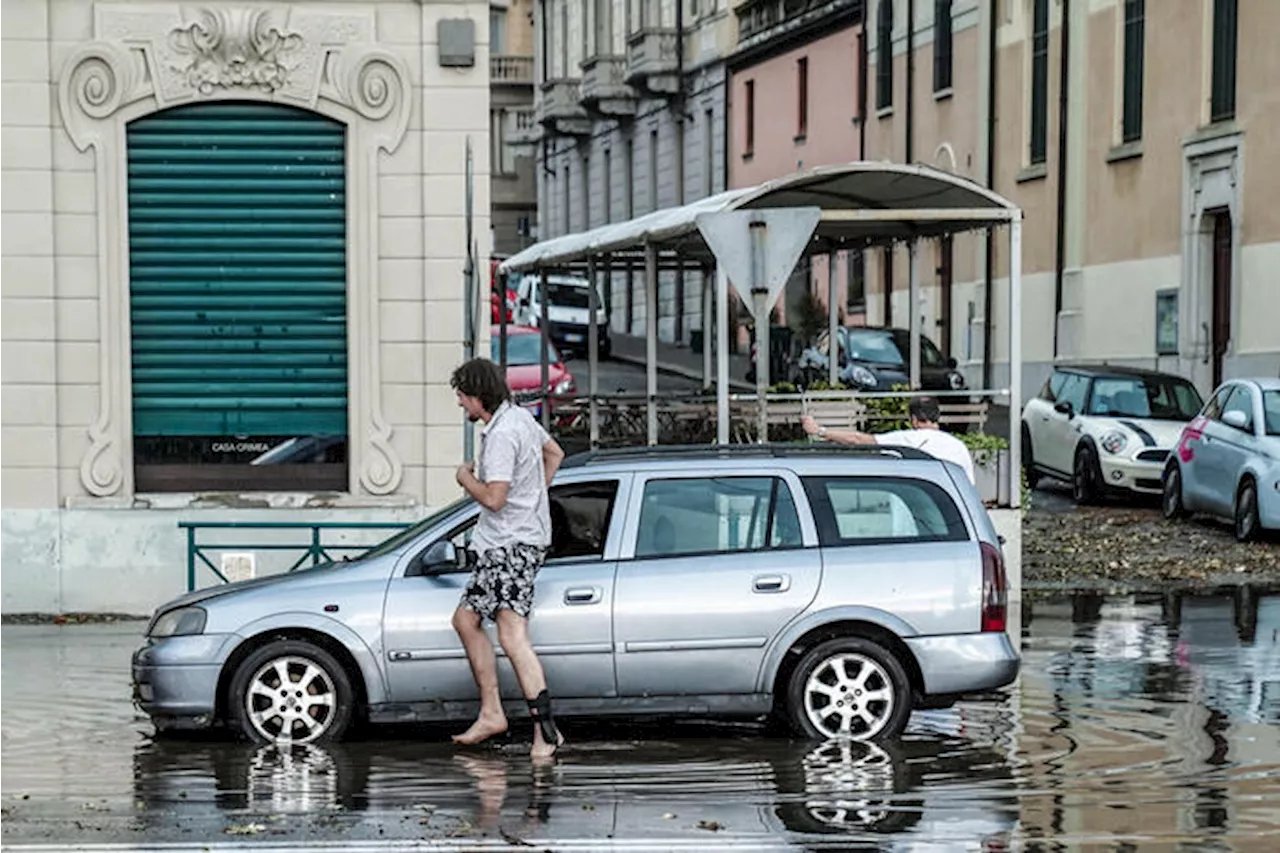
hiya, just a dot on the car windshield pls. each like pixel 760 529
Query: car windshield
pixel 522 350
pixel 887 347
pixel 1271 411
pixel 1159 398
pixel 568 295
pixel 413 531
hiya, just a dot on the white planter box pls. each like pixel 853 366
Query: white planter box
pixel 990 474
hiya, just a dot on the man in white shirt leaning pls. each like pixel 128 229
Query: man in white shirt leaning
pixel 924 435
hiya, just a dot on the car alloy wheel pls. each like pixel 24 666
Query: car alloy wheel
pixel 850 688
pixel 1247 512
pixel 1171 500
pixel 1029 459
pixel 291 692
pixel 1086 481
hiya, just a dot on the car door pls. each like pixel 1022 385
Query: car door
pixel 1226 448
pixel 714 565
pixel 570 626
pixel 1061 431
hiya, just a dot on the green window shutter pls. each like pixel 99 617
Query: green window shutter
pixel 237 265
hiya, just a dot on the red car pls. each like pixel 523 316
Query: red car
pixel 493 295
pixel 524 366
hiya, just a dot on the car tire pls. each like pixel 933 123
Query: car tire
pixel 1086 476
pixel 1247 523
pixel 1029 459
pixel 842 671
pixel 311 672
pixel 1171 500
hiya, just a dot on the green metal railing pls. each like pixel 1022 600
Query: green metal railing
pixel 314 548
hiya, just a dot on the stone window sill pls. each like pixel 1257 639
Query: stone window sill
pixel 1126 151
pixel 1034 172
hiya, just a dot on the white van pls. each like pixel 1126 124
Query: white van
pixel 567 311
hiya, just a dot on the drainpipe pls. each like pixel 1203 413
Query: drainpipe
pixel 1060 261
pixel 862 89
pixel 911 74
pixel 988 299
pixel 680 164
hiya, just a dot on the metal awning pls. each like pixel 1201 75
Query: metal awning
pixel 760 231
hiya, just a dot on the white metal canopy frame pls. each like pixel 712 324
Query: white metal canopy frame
pixel 753 237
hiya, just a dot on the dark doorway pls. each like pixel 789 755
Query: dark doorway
pixel 1220 333
pixel 945 252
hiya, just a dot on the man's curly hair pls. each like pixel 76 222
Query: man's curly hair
pixel 483 379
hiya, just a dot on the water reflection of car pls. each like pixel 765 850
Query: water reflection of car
pixel 875 359
pixel 835 590
pixel 304 449
pixel 1105 429
pixel 1227 462
pixel 751 786
pixel 524 367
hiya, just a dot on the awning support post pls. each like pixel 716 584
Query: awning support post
pixel 1015 360
pixel 651 337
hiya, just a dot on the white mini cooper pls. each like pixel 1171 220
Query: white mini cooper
pixel 1105 429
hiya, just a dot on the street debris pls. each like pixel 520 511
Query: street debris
pixel 245 829
pixel 710 825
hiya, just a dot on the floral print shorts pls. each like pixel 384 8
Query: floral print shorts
pixel 503 580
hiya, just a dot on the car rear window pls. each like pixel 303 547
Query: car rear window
pixel 877 510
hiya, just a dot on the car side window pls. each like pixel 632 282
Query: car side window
pixel 876 510
pixel 1074 389
pixel 1241 400
pixel 580 517
pixel 1052 386
pixel 708 515
pixel 1213 410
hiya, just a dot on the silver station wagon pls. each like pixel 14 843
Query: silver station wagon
pixel 836 589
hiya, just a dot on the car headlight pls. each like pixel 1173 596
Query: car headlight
pixel 182 622
pixel 955 380
pixel 862 376
pixel 1114 441
pixel 564 386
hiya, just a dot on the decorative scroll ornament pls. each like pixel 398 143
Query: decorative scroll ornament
pixel 234 48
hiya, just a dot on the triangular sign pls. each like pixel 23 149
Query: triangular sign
pixel 785 233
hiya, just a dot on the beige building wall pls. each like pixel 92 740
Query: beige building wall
pixel 77 534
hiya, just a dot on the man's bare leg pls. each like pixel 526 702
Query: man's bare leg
pixel 513 633
pixel 484 667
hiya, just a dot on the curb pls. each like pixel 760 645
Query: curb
pixel 688 373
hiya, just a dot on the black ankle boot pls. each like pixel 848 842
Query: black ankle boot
pixel 540 711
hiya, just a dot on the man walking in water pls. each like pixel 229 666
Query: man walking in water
pixel 924 434
pixel 516 463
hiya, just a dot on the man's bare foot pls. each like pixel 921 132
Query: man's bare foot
pixel 543 751
pixel 482 729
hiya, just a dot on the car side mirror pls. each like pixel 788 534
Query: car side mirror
pixel 952 364
pixel 1065 407
pixel 440 558
pixel 1237 419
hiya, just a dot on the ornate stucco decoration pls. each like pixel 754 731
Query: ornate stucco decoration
pixel 149 57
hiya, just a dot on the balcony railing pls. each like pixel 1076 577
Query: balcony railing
pixel 652 60
pixel 604 87
pixel 560 109
pixel 759 18
pixel 511 70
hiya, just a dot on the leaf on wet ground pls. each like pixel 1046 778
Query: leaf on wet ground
pixel 245 829
pixel 588 807
pixel 513 839
pixel 710 825
pixel 669 816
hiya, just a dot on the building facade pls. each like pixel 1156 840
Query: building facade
pixel 797 101
pixel 234 242
pixel 631 112
pixel 513 192
pixel 1149 234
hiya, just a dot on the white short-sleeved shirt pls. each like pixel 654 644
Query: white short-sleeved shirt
pixel 511 452
pixel 935 442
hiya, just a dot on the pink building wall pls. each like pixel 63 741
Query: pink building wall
pixel 831 135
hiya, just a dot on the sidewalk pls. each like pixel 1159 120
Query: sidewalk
pixel 680 360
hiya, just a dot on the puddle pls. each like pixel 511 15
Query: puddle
pixel 1138 720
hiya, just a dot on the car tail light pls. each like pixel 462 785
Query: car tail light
pixel 995 589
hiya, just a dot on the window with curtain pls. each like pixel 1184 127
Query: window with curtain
pixel 802 96
pixel 1039 81
pixel 856 285
pixel 749 116
pixel 1222 100
pixel 1131 119
pixel 884 55
pixel 941 45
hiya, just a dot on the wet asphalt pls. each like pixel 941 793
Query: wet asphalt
pixel 1138 722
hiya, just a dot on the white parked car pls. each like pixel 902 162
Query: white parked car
pixel 1105 429
pixel 568 311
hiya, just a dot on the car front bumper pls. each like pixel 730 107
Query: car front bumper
pixel 573 336
pixel 175 680
pixel 1134 475
pixel 965 663
pixel 1269 500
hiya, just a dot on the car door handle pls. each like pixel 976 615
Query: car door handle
pixel 583 595
pixel 771 583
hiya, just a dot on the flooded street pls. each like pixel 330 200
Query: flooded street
pixel 1137 723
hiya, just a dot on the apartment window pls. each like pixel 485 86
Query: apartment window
pixel 568 202
pixel 802 97
pixel 653 169
pixel 1131 120
pixel 884 55
pixel 1222 100
pixel 497 31
pixel 708 152
pixel 604 27
pixel 607 185
pixel 1039 81
pixel 629 185
pixel 564 39
pixel 584 24
pixel 498 158
pixel 856 286
pixel 750 116
pixel 941 45
pixel 886 269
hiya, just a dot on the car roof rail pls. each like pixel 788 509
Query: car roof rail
pixel 740 451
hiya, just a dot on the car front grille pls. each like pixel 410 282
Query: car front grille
pixel 1153 456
